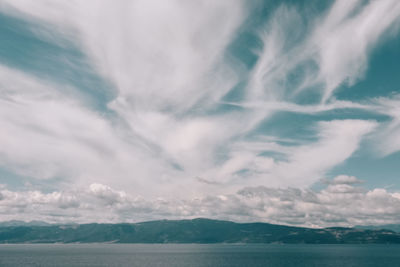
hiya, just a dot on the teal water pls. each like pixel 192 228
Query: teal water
pixel 195 255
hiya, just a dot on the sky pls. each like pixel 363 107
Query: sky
pixel 284 112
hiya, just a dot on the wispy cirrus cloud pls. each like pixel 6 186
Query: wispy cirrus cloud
pixel 346 37
pixel 154 99
pixel 329 51
pixel 386 141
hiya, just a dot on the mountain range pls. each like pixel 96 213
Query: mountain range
pixel 189 231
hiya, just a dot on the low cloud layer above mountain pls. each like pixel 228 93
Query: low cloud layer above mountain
pixel 342 202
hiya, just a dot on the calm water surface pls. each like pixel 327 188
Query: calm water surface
pixel 194 255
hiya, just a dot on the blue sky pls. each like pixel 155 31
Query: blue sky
pixel 278 111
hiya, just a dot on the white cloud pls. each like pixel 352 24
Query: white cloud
pixel 84 147
pixel 304 164
pixel 344 179
pixel 387 140
pixel 273 106
pixel 346 36
pixel 339 139
pixel 164 60
pixel 339 204
pixel 47 135
pixel 159 55
pixel 169 66
pixel 331 52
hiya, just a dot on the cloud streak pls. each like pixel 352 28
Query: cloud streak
pixel 184 115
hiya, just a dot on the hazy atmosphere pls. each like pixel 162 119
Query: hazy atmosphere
pixel 284 112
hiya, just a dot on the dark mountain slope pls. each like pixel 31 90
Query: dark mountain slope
pixel 192 231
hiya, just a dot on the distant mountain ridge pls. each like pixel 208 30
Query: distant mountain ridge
pixel 22 223
pixel 392 227
pixel 192 231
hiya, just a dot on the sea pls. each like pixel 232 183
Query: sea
pixel 196 255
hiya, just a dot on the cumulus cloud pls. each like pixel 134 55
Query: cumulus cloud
pixel 342 203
